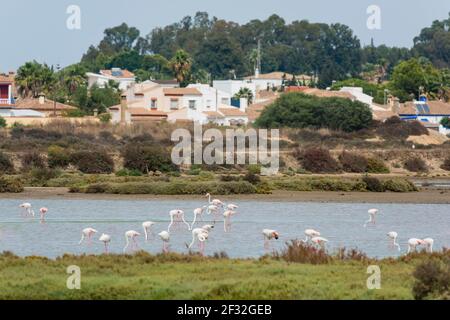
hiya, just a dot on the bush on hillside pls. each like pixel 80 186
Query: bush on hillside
pixel 432 280
pixel 446 164
pixel 6 165
pixel 147 158
pixel 415 164
pixel 375 165
pixel 395 128
pixel 57 157
pixel 352 162
pixel 10 185
pixel 92 161
pixel 318 160
pixel 298 110
pixel 33 159
pixel 399 185
pixel 373 184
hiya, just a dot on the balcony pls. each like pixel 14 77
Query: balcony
pixel 5 102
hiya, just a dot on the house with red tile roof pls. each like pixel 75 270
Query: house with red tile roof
pixel 123 77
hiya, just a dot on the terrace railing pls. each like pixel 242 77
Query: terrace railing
pixel 5 101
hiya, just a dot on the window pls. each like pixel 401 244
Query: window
pixel 225 101
pixel 192 104
pixel 208 104
pixel 154 104
pixel 173 104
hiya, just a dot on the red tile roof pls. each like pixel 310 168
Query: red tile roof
pixel 48 105
pixel 181 92
pixel 125 73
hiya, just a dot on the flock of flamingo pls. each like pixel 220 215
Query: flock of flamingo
pixel 216 207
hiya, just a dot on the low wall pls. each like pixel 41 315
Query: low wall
pixel 40 121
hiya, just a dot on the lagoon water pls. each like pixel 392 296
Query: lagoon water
pixel 340 223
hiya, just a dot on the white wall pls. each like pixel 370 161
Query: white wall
pixel 101 81
pixel 233 86
pixel 211 96
pixel 358 93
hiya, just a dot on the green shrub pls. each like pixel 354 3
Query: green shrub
pixel 10 185
pixel 147 158
pixel 318 160
pixel 252 178
pixel 432 280
pixel 40 176
pixel 399 185
pixel 33 159
pixel 92 161
pixel 57 157
pixel 395 128
pixel 105 117
pixel 229 177
pixel 6 165
pixel 373 184
pixel 446 164
pixel 415 164
pixel 352 162
pixel 128 173
pixel 375 165
pixel 254 168
pixel 3 123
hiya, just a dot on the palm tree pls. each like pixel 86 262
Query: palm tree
pixel 74 77
pixel 245 93
pixel 33 78
pixel 181 65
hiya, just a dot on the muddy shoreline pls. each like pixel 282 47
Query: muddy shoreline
pixel 427 196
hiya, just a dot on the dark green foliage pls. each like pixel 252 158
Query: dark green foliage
pixel 375 165
pixel 352 162
pixel 446 122
pixel 297 110
pixel 3 123
pixel 147 158
pixel 40 176
pixel 58 157
pixel 399 185
pixel 318 160
pixel 373 184
pixel 252 178
pixel 432 279
pixel 415 164
pixel 92 161
pixel 10 185
pixel 6 165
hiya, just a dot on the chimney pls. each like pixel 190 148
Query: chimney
pixel 123 109
pixel 41 99
pixel 395 105
pixel 243 103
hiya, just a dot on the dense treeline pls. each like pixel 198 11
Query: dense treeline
pixel 202 48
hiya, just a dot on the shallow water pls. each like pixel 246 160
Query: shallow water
pixel 340 223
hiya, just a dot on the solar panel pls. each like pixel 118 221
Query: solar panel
pixel 419 108
pixel 116 73
pixel 426 108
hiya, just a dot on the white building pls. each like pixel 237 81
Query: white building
pixel 358 93
pixel 124 78
pixel 232 87
pixel 212 98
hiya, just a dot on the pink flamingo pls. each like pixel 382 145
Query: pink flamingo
pixel 43 212
pixel 429 244
pixel 215 202
pixel 310 233
pixel 87 233
pixel 413 243
pixel 27 209
pixel 202 235
pixel 269 234
pixel 227 219
pixel 130 236
pixel 232 207
pixel 147 229
pixel 393 237
pixel 177 216
pixel 372 217
pixel 106 239
pixel 198 213
pixel 320 241
pixel 165 237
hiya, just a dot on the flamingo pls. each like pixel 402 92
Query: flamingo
pixel 227 219
pixel 202 235
pixel 165 237
pixel 320 241
pixel 27 209
pixel 130 236
pixel 212 209
pixel 43 212
pixel 147 229
pixel 429 244
pixel 269 235
pixel 198 213
pixel 310 233
pixel 177 216
pixel 393 237
pixel 87 233
pixel 232 207
pixel 215 202
pixel 413 243
pixel 372 215
pixel 106 239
